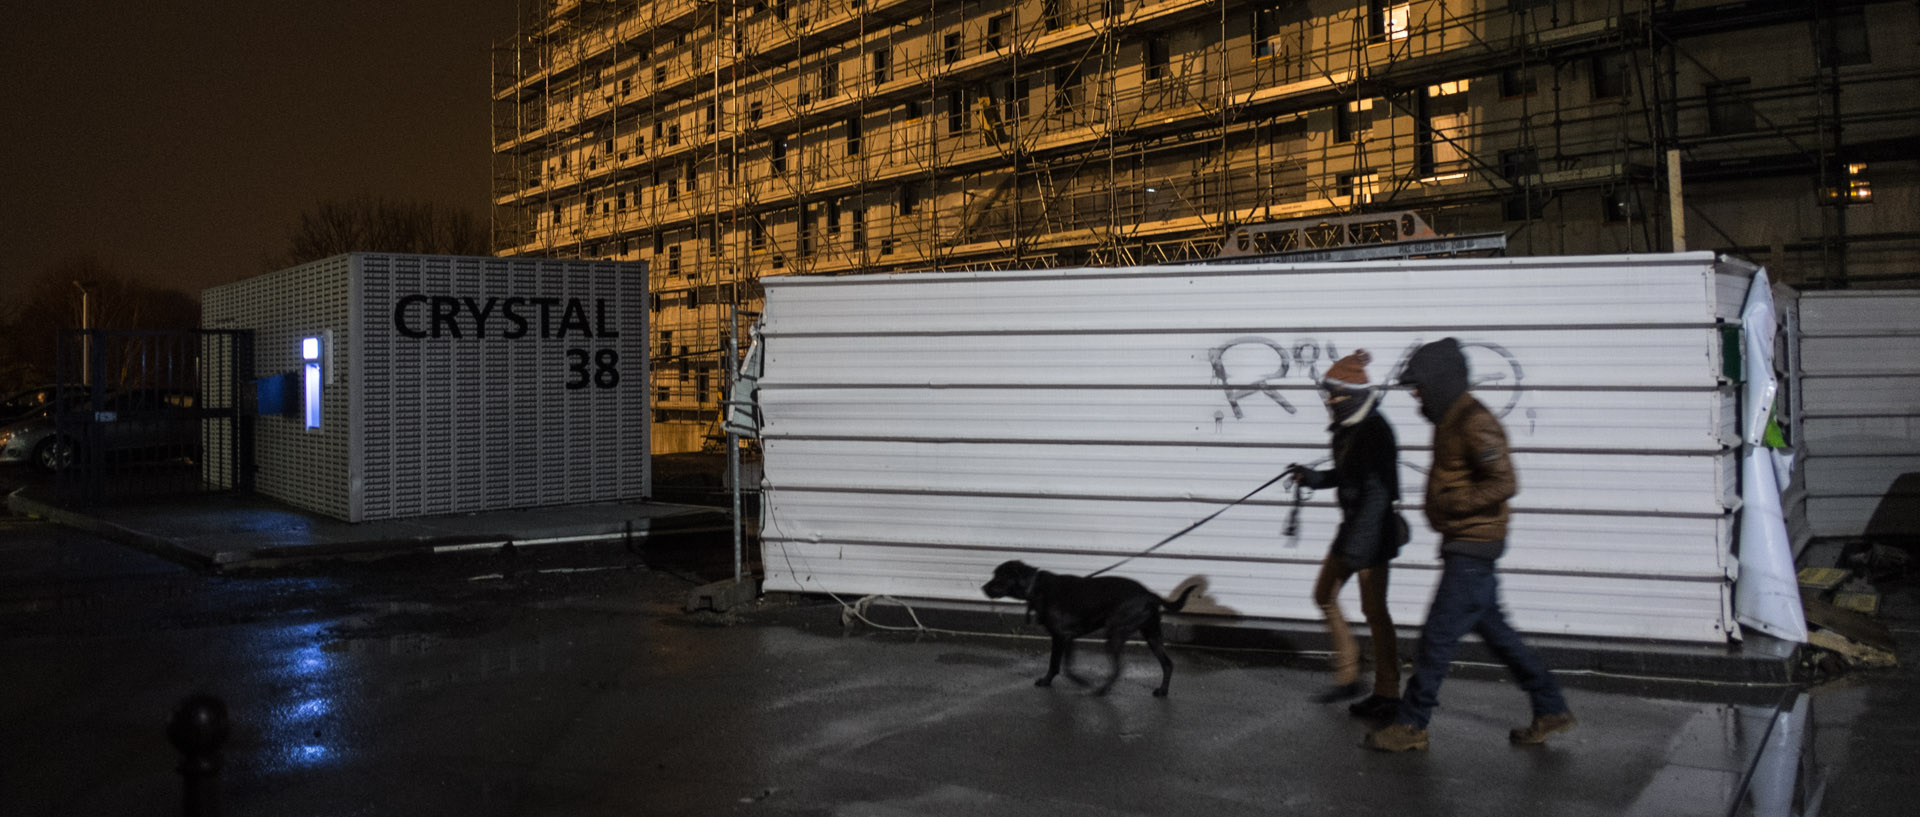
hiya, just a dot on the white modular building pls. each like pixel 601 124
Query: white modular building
pixel 919 429
pixel 396 385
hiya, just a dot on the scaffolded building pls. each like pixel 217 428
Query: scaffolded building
pixel 724 140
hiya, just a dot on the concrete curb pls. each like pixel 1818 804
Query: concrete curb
pixel 692 520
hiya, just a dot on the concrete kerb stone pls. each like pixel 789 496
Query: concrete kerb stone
pixel 18 502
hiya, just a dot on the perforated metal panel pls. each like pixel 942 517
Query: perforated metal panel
pixel 308 469
pixel 456 384
pixel 921 428
pixel 525 386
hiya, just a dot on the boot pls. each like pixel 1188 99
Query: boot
pixel 1542 726
pixel 1375 707
pixel 1397 737
pixel 1337 692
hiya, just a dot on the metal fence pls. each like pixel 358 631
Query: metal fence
pixel 150 413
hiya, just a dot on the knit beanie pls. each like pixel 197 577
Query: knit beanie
pixel 1350 370
pixel 1347 378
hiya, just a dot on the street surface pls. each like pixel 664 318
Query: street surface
pixel 535 684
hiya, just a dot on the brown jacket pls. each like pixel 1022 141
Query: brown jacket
pixel 1471 480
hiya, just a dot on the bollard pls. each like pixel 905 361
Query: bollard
pixel 197 728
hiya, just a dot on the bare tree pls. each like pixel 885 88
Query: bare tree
pixel 369 224
pixel 51 302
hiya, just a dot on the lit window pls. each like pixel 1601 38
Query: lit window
pixel 310 352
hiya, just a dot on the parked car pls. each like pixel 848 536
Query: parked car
pixel 20 404
pixel 133 424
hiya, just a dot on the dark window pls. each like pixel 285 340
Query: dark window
pixel 1516 82
pixel 673 190
pixel 996 27
pixel 909 198
pixel 853 136
pixel 1157 56
pixel 859 215
pixel 778 159
pixel 951 48
pixel 1523 207
pixel 1518 162
pixel 713 116
pixel 1066 85
pixel 1353 119
pixel 753 112
pixel 833 217
pixel 673 260
pixel 910 110
pixel 1015 106
pixel 759 236
pixel 1841 38
pixel 1609 76
pixel 1050 14
pixel 879 67
pixel 673 134
pixel 829 79
pixel 1622 206
pixel 1266 28
pixel 956 112
pixel 659 75
pixel 1729 107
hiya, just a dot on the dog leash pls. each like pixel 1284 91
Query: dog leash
pixel 1188 529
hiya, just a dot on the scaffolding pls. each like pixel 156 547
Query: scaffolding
pixel 724 140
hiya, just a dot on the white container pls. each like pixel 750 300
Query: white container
pixel 921 428
pixel 450 384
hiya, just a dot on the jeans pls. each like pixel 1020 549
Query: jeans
pixel 1468 600
pixel 1373 602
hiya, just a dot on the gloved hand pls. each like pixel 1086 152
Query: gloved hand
pixel 1294 474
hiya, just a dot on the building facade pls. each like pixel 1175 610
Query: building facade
pixel 726 140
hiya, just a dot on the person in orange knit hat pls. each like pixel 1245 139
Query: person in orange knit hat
pixel 1366 481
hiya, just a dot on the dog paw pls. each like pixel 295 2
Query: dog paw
pixel 1044 682
pixel 1160 693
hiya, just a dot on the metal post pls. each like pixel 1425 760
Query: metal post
pixel 733 440
pixel 198 728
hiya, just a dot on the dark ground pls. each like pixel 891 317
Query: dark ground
pixel 568 683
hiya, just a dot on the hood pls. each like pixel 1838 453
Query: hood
pixel 1440 370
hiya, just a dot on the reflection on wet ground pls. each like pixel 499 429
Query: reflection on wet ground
pixel 370 692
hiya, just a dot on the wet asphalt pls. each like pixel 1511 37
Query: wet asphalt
pixel 575 684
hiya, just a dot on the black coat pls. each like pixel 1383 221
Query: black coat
pixel 1366 480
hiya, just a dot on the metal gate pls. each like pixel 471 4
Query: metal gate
pixel 150 413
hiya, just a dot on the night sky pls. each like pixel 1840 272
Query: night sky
pixel 179 142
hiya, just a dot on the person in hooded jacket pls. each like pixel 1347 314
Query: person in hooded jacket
pixel 1466 502
pixel 1366 480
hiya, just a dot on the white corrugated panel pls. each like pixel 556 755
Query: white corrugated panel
pixel 1860 398
pixel 921 428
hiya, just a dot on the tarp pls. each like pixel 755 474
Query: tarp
pixel 1766 597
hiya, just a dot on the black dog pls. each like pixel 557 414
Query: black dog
pixel 1073 606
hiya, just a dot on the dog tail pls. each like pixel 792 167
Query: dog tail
pixel 1180 600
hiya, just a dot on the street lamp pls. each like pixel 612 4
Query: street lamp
pixel 86 337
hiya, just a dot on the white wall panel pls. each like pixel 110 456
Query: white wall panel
pixel 919 429
pixel 1860 398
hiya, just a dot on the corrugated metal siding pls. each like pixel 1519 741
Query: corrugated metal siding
pixel 1860 399
pixel 453 425
pixel 306 469
pixel 922 428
